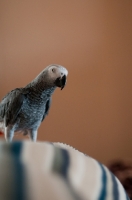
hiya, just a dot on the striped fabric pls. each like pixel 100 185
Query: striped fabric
pixel 54 171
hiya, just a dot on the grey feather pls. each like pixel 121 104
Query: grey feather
pixel 23 109
pixel 47 107
pixel 12 104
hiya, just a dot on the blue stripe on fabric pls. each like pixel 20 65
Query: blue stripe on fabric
pixel 115 188
pixel 61 164
pixel 127 198
pixel 61 161
pixel 65 163
pixel 103 192
pixel 16 148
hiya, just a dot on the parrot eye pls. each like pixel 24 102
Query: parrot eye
pixel 53 70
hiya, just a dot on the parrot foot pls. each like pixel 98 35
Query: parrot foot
pixel 33 135
pixel 9 133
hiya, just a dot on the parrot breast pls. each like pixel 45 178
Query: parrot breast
pixel 30 116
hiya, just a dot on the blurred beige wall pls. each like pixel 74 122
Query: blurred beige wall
pixel 93 40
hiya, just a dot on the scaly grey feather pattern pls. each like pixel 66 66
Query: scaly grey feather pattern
pixel 23 109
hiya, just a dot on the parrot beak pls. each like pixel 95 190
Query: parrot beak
pixel 61 82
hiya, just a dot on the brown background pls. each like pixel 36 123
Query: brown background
pixel 93 40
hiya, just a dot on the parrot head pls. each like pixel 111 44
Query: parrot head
pixel 52 76
pixel 57 75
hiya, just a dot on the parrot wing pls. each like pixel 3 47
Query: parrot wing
pixel 11 105
pixel 47 107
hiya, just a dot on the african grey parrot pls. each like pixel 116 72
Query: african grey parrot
pixel 23 109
